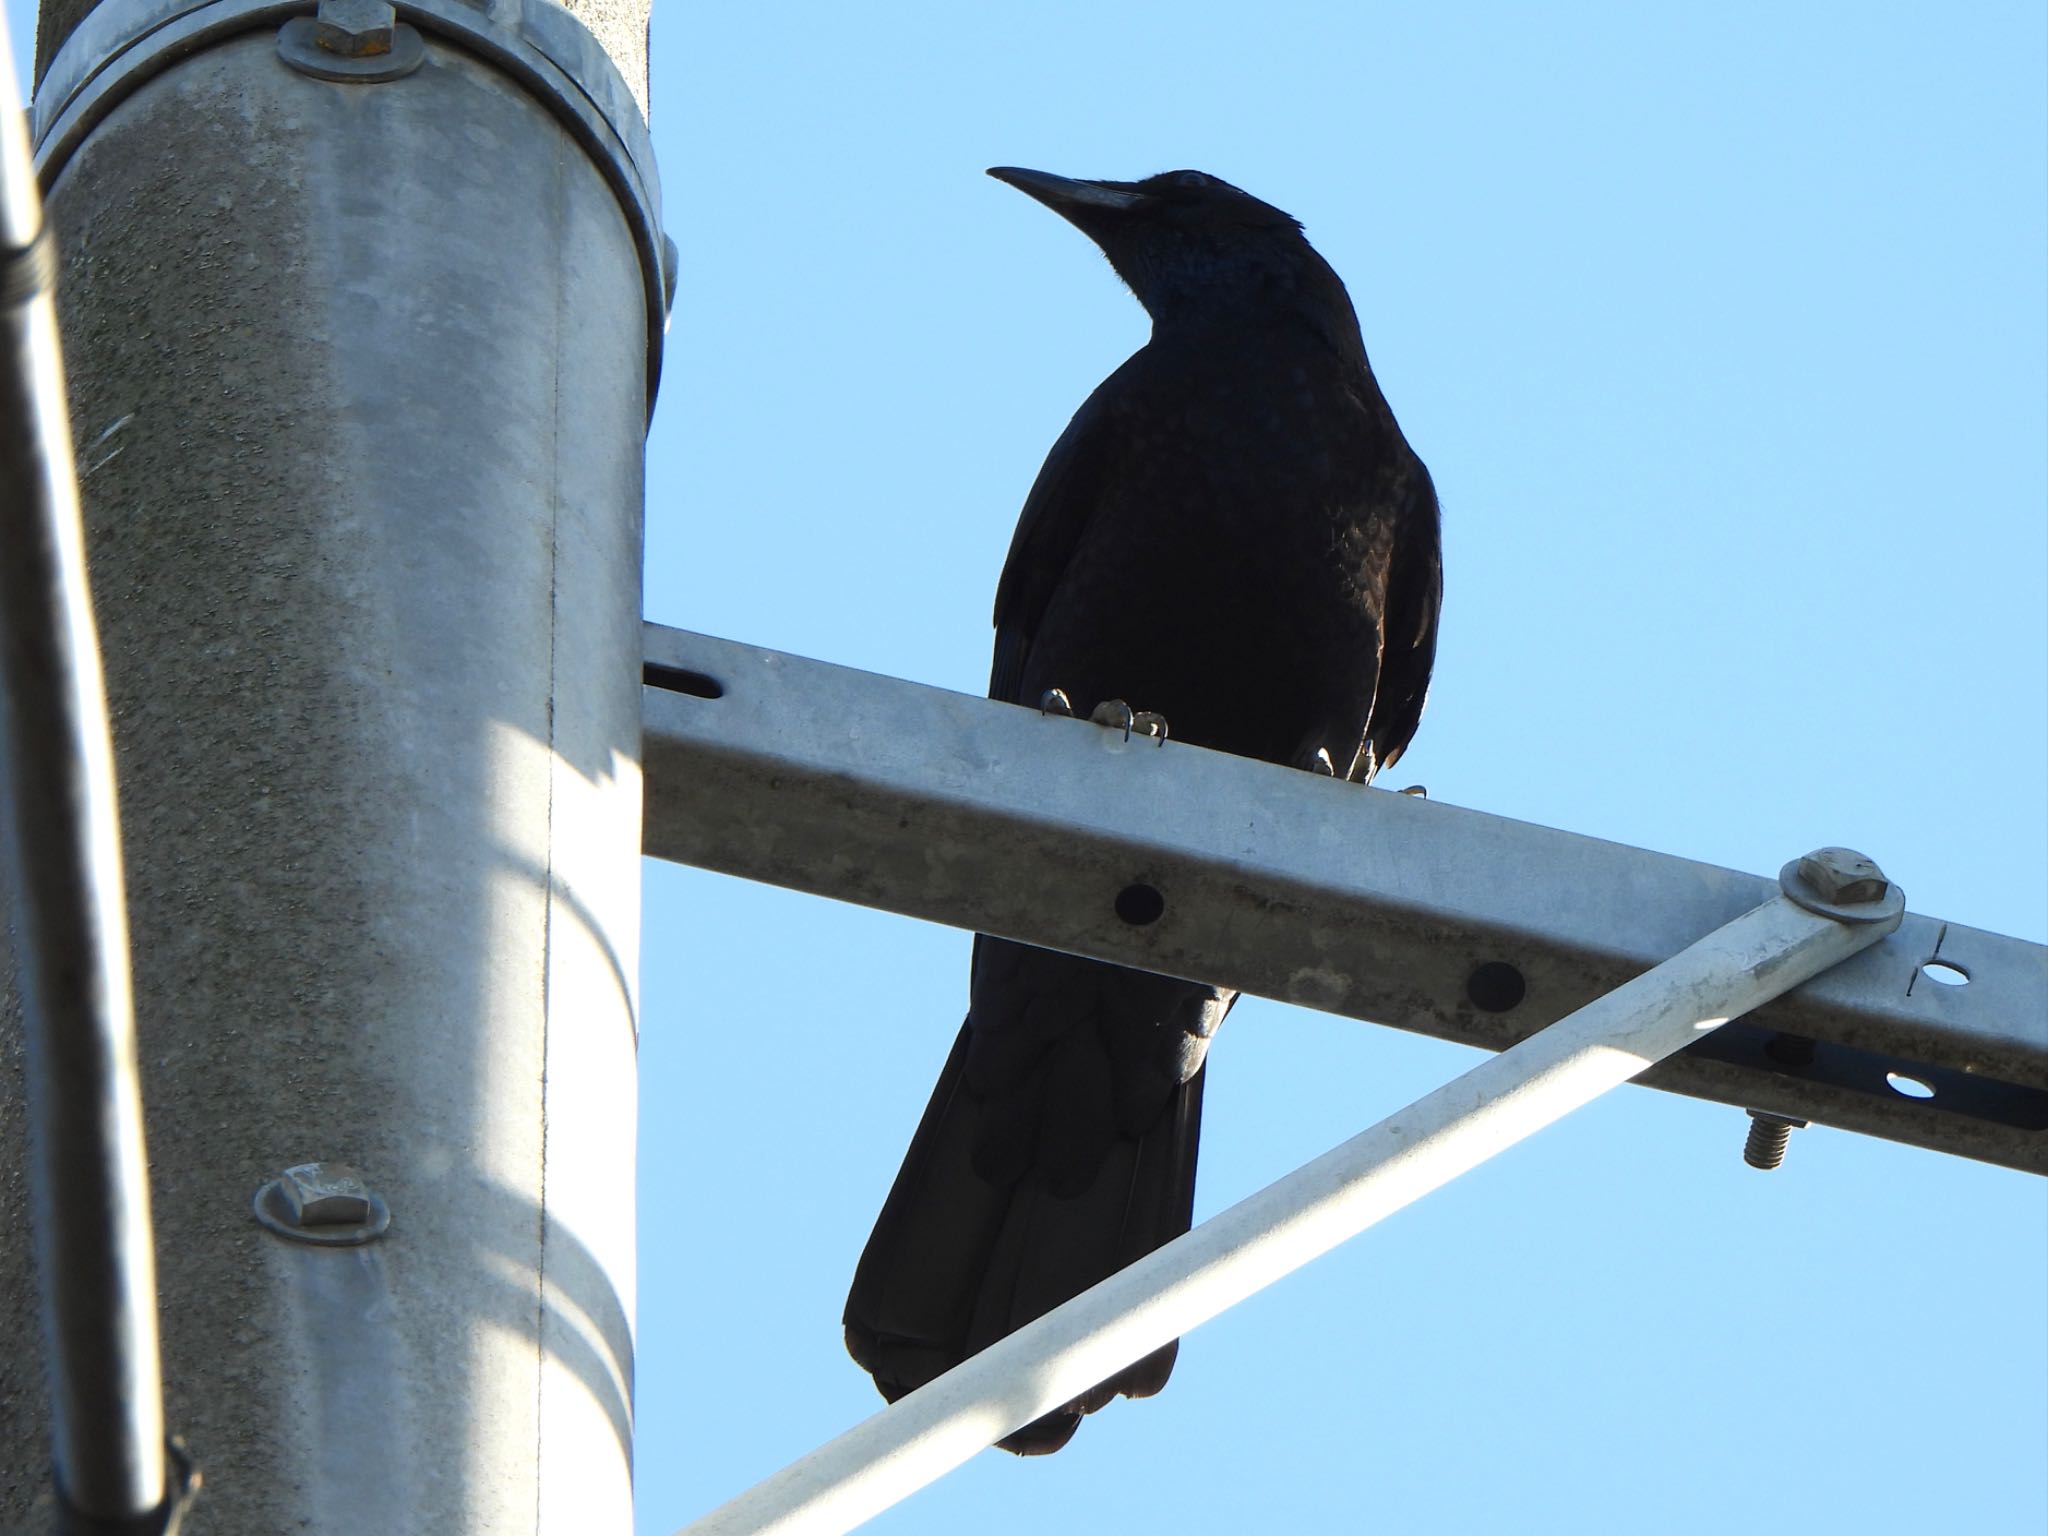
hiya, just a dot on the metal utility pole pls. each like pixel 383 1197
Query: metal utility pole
pixel 361 315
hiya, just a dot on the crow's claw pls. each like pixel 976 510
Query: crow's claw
pixel 1419 791
pixel 1114 713
pixel 1367 765
pixel 1118 715
pixel 1054 701
pixel 1321 763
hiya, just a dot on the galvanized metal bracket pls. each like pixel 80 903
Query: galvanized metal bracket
pixel 1762 954
pixel 1357 901
pixel 123 43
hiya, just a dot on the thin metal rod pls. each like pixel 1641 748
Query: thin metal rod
pixel 1765 952
pixel 63 866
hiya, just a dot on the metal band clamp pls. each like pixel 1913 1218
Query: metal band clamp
pixel 123 43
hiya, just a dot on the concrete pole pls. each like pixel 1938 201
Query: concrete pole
pixel 359 377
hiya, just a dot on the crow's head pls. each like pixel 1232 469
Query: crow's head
pixel 1190 244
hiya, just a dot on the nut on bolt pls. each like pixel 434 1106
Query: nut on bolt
pixel 324 1195
pixel 324 1203
pixel 355 29
pixel 1845 885
pixel 1843 875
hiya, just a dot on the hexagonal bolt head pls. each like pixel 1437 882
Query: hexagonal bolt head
pixel 325 1195
pixel 355 29
pixel 1843 876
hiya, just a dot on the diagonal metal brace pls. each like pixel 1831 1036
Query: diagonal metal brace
pixel 1760 955
pixel 1375 905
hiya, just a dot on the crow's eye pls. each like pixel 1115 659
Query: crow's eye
pixel 1193 179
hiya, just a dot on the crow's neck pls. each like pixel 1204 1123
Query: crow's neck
pixel 1281 328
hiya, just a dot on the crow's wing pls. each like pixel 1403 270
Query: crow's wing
pixel 1049 530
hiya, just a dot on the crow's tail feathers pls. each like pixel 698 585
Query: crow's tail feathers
pixel 957 1260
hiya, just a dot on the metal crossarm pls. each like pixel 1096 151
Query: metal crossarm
pixel 1375 905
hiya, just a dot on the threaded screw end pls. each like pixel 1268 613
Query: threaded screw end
pixel 1769 1135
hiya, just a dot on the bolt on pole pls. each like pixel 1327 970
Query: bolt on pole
pixel 1760 955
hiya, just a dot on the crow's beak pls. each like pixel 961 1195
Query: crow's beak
pixel 1064 195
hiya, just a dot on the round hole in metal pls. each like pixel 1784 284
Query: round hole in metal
pixel 1495 987
pixel 1140 904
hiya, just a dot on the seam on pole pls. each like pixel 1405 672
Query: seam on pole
pixel 543 1278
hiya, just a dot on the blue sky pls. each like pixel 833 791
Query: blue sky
pixel 1724 332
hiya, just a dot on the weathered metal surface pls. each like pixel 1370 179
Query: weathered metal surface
pixel 1358 901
